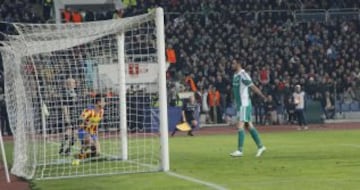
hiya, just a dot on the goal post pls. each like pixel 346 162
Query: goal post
pixel 87 99
pixel 122 94
pixel 4 160
pixel 160 42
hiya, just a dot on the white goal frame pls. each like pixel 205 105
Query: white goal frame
pixel 163 154
pixel 3 153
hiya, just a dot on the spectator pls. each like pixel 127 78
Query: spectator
pixel 270 109
pixel 47 8
pixel 129 3
pixel 229 96
pixel 214 103
pixel 89 16
pixel 299 101
pixel 170 54
pixel 204 102
pixel 328 105
pixel 110 93
pixel 356 85
pixel 264 76
pixel 259 108
pixel 220 85
pixel 119 13
pixel 76 17
pixel 172 95
pixel 67 14
pixel 349 95
pixel 311 87
pixel 189 80
pixel 290 110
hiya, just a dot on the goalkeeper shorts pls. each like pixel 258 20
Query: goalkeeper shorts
pixel 82 134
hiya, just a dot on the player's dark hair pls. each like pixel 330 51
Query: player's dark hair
pixel 97 98
pixel 238 62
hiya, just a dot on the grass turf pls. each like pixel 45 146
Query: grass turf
pixel 143 157
pixel 322 160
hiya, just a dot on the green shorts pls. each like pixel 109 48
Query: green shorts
pixel 244 113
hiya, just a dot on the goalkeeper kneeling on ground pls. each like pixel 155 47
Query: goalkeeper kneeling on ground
pixel 88 146
pixel 188 114
pixel 88 131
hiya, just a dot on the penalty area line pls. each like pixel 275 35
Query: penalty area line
pixel 191 179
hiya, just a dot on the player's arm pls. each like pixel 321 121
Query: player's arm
pixel 248 82
pixel 102 114
pixel 258 91
pixel 85 115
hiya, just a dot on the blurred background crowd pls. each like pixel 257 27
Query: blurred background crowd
pixel 276 41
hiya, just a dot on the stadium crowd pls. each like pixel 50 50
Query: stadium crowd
pixel 278 52
pixel 13 11
pixel 206 36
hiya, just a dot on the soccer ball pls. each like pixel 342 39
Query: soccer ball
pixel 75 162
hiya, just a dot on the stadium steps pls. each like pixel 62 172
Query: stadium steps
pixel 342 121
pixel 345 117
pixel 352 115
pixel 214 125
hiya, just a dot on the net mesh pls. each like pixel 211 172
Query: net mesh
pixel 54 72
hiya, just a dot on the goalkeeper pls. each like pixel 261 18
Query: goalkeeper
pixel 88 131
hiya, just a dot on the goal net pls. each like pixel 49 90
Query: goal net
pixel 87 99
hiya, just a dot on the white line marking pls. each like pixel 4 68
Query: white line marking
pixel 188 178
pixel 272 182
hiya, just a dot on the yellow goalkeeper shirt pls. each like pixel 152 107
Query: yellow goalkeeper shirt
pixel 92 119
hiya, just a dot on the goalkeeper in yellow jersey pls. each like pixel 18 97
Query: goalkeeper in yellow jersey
pixel 88 130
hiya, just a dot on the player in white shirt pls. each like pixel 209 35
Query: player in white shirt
pixel 242 84
pixel 299 100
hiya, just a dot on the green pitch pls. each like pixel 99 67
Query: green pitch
pixel 322 160
pixel 143 157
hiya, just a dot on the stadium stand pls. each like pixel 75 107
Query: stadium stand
pixel 13 11
pixel 282 43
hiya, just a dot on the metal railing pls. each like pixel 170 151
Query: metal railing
pixel 303 15
pixel 310 15
pixel 343 14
